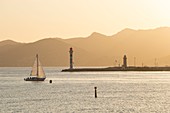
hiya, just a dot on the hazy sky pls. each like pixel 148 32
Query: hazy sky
pixel 31 20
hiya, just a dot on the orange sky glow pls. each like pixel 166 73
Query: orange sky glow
pixel 31 20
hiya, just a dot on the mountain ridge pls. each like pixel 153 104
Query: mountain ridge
pixel 94 50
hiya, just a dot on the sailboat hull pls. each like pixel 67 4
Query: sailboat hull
pixel 34 79
pixel 37 72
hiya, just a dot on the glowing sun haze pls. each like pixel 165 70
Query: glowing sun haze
pixel 31 20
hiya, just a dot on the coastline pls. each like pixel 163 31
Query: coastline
pixel 118 69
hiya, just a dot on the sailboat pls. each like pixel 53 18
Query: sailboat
pixel 37 72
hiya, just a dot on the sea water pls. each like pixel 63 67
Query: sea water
pixel 73 92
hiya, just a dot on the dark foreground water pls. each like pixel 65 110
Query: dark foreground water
pixel 118 92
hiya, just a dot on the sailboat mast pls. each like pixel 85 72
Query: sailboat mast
pixel 37 65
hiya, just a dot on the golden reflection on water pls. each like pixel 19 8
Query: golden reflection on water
pixel 74 92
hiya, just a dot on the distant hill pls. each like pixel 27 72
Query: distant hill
pixel 144 45
pixel 52 52
pixel 94 50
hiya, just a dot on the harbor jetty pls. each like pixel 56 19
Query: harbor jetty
pixel 118 69
pixel 124 67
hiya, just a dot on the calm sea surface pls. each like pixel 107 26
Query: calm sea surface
pixel 118 92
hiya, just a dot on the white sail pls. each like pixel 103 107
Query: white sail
pixel 41 73
pixel 34 69
pixel 37 69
